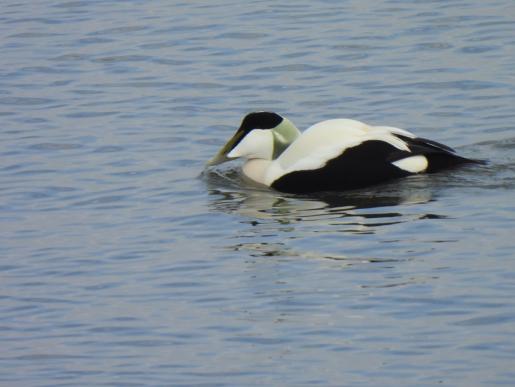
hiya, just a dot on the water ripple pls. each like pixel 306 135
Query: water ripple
pixel 122 266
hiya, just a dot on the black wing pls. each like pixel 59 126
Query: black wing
pixel 439 156
pixel 368 163
pixel 365 164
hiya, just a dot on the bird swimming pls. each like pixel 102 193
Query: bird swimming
pixel 336 154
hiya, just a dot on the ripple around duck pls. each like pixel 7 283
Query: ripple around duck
pixel 25 101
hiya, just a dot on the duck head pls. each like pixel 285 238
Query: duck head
pixel 261 135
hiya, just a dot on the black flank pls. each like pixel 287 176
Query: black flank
pixel 367 164
pixel 363 165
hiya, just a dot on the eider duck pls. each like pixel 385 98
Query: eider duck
pixel 337 154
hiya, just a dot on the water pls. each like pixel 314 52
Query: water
pixel 122 265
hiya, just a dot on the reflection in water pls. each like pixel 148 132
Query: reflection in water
pixel 232 194
pixel 316 225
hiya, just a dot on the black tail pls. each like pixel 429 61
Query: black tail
pixel 439 156
pixel 439 161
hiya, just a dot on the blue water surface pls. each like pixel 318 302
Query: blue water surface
pixel 123 262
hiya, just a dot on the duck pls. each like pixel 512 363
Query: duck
pixel 332 155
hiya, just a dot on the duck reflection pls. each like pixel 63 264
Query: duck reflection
pixel 293 245
pixel 231 194
pixel 319 225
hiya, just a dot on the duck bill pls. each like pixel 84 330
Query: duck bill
pixel 221 156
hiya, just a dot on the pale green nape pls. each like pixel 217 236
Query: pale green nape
pixel 284 134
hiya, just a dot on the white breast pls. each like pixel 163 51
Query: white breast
pixel 257 169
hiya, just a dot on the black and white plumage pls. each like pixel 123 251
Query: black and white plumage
pixel 337 154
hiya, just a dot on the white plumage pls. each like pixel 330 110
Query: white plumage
pixel 332 154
